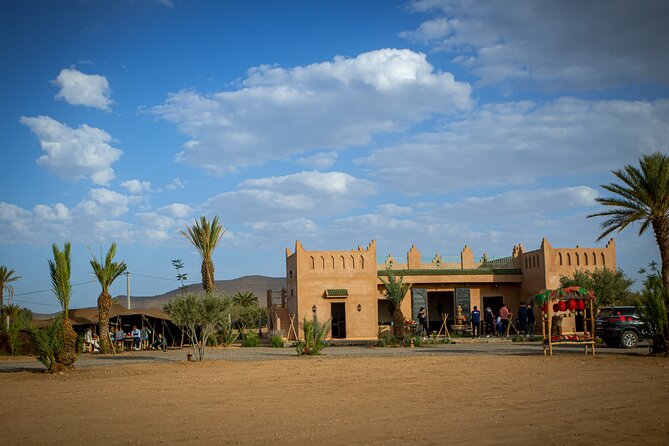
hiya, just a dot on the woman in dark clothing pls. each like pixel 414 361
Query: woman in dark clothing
pixel 422 320
pixel 529 330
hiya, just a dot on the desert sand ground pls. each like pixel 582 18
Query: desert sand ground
pixel 438 395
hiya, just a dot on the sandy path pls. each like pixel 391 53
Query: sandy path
pixel 456 400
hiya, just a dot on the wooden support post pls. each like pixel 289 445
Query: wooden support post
pixel 291 328
pixel 444 326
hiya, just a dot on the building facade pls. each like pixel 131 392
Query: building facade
pixel 346 286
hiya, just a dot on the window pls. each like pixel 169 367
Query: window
pixel 560 258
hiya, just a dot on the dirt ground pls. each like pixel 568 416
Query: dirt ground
pixel 464 399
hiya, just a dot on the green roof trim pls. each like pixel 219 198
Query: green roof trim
pixel 336 293
pixel 449 272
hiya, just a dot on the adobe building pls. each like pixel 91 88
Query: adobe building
pixel 346 285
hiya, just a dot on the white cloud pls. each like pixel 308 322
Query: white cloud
pixel 73 154
pixel 108 203
pixel 594 44
pixel 77 88
pixel 299 195
pixel 177 210
pixel 281 111
pixel 516 143
pixel 57 212
pixel 136 186
pixel 176 183
pixel 323 160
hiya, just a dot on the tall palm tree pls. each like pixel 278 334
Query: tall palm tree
pixel 106 273
pixel 395 292
pixel 643 197
pixel 245 298
pixel 60 269
pixel 7 276
pixel 205 237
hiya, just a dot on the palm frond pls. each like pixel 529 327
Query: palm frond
pixel 60 269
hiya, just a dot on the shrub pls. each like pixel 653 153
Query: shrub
pixel 276 339
pixel 49 342
pixel 314 332
pixel 251 339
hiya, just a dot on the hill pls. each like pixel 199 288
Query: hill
pixel 257 285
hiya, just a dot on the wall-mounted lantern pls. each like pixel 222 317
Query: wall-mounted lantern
pixel 359 307
pixel 313 309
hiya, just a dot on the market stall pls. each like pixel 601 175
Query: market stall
pixel 567 317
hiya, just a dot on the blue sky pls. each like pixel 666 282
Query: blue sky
pixel 439 123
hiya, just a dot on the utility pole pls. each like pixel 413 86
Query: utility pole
pixel 127 287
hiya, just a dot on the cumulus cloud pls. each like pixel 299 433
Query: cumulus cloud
pixel 176 183
pixel 136 186
pixel 77 88
pixel 594 44
pixel 281 111
pixel 517 143
pixel 177 210
pixel 73 154
pixel 299 195
pixel 323 160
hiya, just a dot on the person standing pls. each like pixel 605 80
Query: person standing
pixel 476 323
pixel 504 315
pixel 489 319
pixel 522 319
pixel 422 320
pixel 136 337
pixel 531 320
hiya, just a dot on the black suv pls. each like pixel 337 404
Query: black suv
pixel 620 326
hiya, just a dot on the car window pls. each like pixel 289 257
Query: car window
pixel 624 311
pixel 604 313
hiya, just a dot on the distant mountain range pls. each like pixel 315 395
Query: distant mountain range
pixel 257 285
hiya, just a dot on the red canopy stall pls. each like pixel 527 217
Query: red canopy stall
pixel 559 309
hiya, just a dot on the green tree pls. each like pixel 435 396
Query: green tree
pixel 314 337
pixel 205 237
pixel 653 300
pixel 245 298
pixel 7 276
pixel 643 197
pixel 106 273
pixel 395 291
pixel 60 269
pixel 18 320
pixel 199 316
pixel 610 287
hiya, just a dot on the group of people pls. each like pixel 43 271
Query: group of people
pixel 498 326
pixel 140 339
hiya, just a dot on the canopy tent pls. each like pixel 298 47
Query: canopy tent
pixel 119 316
pixel 566 302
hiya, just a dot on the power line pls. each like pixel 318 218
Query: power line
pixel 50 290
pixel 34 303
pixel 159 278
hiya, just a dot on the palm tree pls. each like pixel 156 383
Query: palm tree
pixel 395 292
pixel 106 274
pixel 6 277
pixel 245 298
pixel 205 236
pixel 644 198
pixel 60 269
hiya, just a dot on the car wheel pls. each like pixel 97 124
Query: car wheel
pixel 611 342
pixel 629 339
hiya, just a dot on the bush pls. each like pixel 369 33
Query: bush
pixel 276 339
pixel 49 342
pixel 314 332
pixel 251 339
